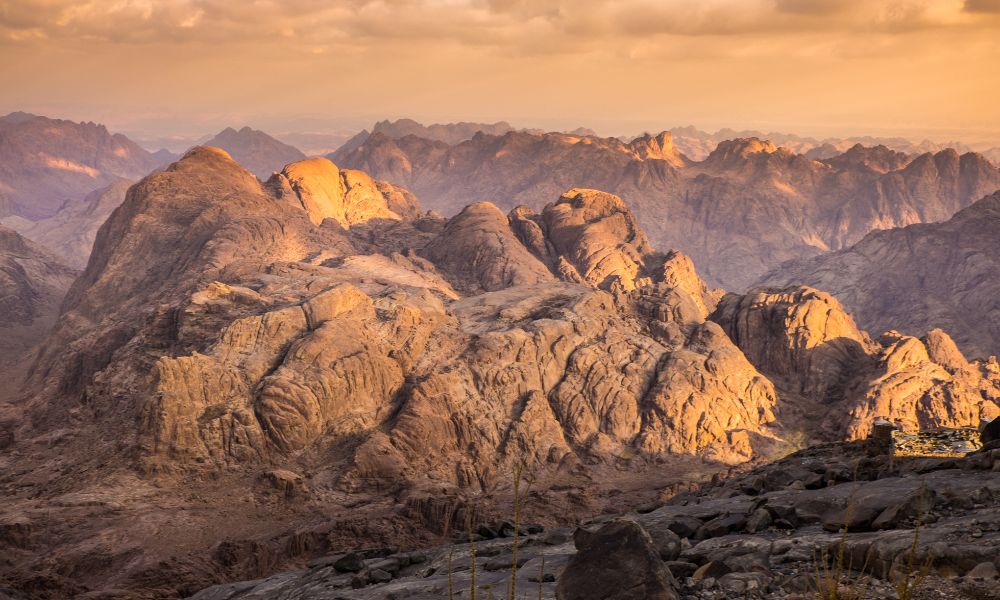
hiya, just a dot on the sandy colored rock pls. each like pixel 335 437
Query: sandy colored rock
pixel 347 197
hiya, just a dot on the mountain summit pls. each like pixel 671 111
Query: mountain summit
pixel 258 152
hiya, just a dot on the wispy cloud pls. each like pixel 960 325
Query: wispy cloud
pixel 476 22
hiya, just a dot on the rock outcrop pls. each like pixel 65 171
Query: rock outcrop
pixel 345 196
pixel 258 152
pixel 806 343
pixel 763 534
pixel 919 277
pixel 742 210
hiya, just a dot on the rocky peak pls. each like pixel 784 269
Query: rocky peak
pixel 658 147
pixel 347 197
pixel 799 335
pixel 596 239
pixel 877 158
pixel 480 251
pixel 257 151
pixel 730 152
pixel 49 163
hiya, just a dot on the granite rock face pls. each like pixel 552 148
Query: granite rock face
pixel 808 345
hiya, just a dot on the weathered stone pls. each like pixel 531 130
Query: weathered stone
pixel 617 562
pixel 351 562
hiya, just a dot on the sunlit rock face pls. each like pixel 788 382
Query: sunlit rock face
pixel 805 342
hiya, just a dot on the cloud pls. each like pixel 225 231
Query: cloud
pixel 982 6
pixel 476 22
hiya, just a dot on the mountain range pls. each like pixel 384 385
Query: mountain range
pixel 260 371
pixel 45 163
pixel 740 212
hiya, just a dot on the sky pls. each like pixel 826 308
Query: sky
pixel 917 68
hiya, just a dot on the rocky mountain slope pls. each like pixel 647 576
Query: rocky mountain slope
pixel 945 274
pixel 258 152
pixel 70 233
pixel 45 164
pixel 259 373
pixel 740 212
pixel 32 284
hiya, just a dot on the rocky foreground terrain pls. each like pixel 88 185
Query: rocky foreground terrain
pixel 833 521
pixel 945 274
pixel 741 211
pixel 249 375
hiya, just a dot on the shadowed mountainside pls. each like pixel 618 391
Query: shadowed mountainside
pixel 941 274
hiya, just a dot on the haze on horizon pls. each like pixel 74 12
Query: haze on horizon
pixel 916 68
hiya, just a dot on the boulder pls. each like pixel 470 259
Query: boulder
pixel 617 562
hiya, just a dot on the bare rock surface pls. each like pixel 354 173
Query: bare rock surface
pixel 919 277
pixel 810 347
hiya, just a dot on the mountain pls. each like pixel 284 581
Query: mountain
pixel 698 144
pixel 262 373
pixel 744 209
pixel 260 153
pixel 70 233
pixel 941 273
pixel 32 284
pixel 449 133
pixel 47 163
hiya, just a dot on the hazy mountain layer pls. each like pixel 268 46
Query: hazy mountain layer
pixel 32 285
pixel 743 210
pixel 258 152
pixel 46 164
pixel 70 233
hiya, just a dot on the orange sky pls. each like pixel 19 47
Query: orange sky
pixel 923 68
